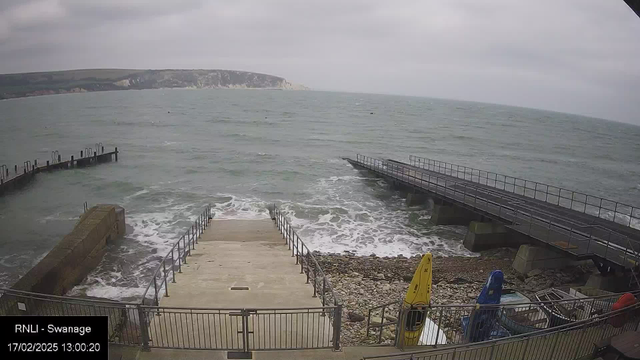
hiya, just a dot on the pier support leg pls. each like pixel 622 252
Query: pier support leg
pixel 531 257
pixel 485 235
pixel 613 282
pixel 451 215
pixel 415 199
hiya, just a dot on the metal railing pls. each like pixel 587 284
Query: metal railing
pixel 581 240
pixel 589 204
pixel 570 341
pixel 304 257
pixel 173 260
pixel 124 318
pixel 458 324
pixel 243 329
pixel 29 167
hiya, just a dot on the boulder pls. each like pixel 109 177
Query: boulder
pixel 534 272
pixel 355 317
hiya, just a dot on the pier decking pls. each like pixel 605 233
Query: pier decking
pixel 580 225
pixel 17 176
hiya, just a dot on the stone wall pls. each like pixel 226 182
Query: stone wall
pixel 77 254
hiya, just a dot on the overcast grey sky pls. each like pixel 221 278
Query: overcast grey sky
pixel 578 56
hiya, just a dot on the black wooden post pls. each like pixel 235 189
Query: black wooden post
pixel 116 153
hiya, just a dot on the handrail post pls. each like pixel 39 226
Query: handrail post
pixel 173 266
pixel 300 257
pixel 144 330
pixel 402 320
pixel 179 259
pixel 439 324
pixel 184 246
pixel 315 282
pixel 198 231
pixel 324 286
pixel 307 261
pixel 155 289
pixel 164 274
pixel 337 327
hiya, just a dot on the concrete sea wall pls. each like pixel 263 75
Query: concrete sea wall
pixel 77 254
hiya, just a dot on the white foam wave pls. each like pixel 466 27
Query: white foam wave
pixel 342 214
pixel 242 208
pixel 58 216
pixel 136 194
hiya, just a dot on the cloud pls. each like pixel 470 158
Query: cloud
pixel 575 55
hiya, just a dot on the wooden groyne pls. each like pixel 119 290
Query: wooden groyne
pixel 15 177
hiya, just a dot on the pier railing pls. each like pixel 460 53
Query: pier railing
pixel 459 324
pixel 589 204
pixel 571 341
pixel 165 272
pixel 304 257
pixel 575 238
pixel 11 177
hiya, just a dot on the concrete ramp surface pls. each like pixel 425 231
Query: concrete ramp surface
pixel 240 276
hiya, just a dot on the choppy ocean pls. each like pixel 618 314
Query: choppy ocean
pixel 240 150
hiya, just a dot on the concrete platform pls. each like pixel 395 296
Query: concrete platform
pixel 237 253
pixel 249 255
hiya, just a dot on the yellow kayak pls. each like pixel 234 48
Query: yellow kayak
pixel 417 298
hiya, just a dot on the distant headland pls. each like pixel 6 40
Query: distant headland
pixel 85 80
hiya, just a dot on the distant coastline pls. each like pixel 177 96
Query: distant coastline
pixel 88 80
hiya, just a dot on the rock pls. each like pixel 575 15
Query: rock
pixel 386 287
pixel 534 272
pixel 407 278
pixel 459 280
pixel 390 318
pixel 378 277
pixel 472 295
pixel 375 320
pixel 355 317
pixel 388 335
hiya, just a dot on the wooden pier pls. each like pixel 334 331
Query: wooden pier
pixel 15 177
pixel 572 223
